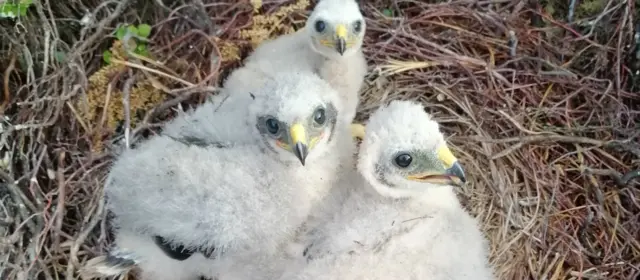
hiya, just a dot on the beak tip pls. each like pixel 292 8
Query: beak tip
pixel 301 152
pixel 341 46
pixel 457 171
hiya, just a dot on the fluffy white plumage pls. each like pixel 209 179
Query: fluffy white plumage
pixel 316 50
pixel 211 121
pixel 238 198
pixel 398 222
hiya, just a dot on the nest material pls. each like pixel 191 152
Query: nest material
pixel 540 102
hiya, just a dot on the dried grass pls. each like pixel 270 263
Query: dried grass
pixel 544 111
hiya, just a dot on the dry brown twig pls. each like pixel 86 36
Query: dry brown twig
pixel 7 91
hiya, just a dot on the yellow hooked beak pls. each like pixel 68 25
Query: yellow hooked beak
pixel 299 140
pixel 453 175
pixel 341 38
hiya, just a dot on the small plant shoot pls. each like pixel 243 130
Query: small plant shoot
pixel 14 8
pixel 134 38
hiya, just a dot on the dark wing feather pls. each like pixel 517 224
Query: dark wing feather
pixel 178 252
pixel 195 141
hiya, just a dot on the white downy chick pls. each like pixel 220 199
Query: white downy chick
pixel 223 117
pixel 221 200
pixel 216 120
pixel 329 45
pixel 405 221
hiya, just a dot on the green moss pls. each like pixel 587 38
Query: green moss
pixel 590 8
pixel 555 9
pixel 584 8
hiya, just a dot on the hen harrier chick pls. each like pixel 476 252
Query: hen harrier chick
pixel 403 220
pixel 184 204
pixel 329 45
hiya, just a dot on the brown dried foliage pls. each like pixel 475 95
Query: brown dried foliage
pixel 546 128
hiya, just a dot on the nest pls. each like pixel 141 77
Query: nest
pixel 540 101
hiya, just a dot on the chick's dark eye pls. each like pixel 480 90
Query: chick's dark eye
pixel 403 160
pixel 320 26
pixel 272 126
pixel 357 26
pixel 319 116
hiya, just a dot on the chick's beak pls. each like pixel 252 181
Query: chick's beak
pixel 456 174
pixel 454 169
pixel 453 175
pixel 299 140
pixel 341 38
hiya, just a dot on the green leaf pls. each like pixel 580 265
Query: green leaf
pixel 143 52
pixel 26 2
pixel 5 8
pixel 387 12
pixel 106 56
pixel 144 30
pixel 140 47
pixel 121 31
pixel 23 9
pixel 7 13
pixel 132 30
